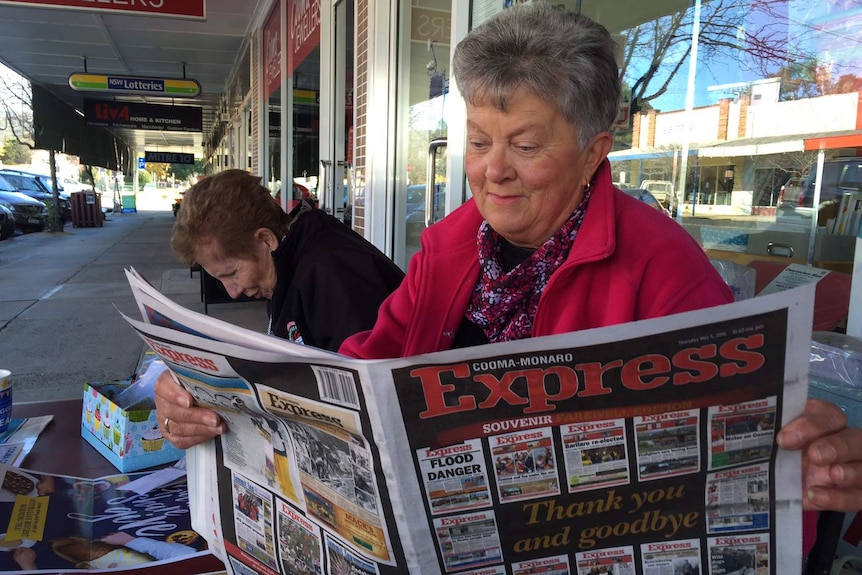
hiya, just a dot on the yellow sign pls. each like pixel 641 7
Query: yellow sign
pixel 174 87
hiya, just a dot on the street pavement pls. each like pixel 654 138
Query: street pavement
pixel 61 295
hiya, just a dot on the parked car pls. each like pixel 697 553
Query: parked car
pixel 48 183
pixel 30 214
pixel 70 185
pixel 416 196
pixel 29 184
pixel 7 222
pixel 661 189
pixel 646 197
pixel 840 176
pixel 416 218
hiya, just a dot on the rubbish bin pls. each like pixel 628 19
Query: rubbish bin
pixel 86 209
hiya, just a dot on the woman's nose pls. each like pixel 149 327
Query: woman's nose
pixel 497 168
pixel 233 290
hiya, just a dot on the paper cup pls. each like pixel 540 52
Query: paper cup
pixel 5 399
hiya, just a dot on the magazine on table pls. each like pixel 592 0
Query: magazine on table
pixel 644 448
pixel 62 524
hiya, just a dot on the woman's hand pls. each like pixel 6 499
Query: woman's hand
pixel 831 457
pixel 182 423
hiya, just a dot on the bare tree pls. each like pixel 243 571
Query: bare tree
pixel 16 106
pixel 754 35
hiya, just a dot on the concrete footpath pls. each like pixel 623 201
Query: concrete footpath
pixel 60 294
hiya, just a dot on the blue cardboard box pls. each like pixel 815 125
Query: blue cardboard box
pixel 129 439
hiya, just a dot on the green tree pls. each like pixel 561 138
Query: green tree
pixel 186 172
pixel 14 152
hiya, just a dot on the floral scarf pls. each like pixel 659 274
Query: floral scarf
pixel 504 304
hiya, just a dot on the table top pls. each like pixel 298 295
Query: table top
pixel 61 450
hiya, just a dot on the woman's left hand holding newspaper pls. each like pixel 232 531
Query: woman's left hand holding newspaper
pixel 181 422
pixel 831 456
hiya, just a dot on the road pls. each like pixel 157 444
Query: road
pixel 61 295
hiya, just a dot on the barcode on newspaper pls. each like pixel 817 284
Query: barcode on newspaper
pixel 337 386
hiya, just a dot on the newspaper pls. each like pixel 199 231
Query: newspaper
pixel 19 438
pixel 63 524
pixel 645 448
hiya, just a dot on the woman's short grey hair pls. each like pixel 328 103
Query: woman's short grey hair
pixel 562 57
pixel 228 208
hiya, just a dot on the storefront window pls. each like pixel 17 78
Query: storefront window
pixel 423 108
pixel 737 135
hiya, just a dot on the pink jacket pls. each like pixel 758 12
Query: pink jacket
pixel 629 262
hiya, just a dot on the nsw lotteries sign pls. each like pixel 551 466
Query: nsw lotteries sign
pixel 108 114
pixel 172 8
pixel 173 87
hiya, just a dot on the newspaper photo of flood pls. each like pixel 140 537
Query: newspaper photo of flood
pixel 671 558
pixel 596 454
pixel 667 444
pixel 524 465
pixel 455 477
pixel 741 433
pixel 738 499
pixel 739 555
pixel 612 561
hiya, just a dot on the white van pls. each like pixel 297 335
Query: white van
pixel 661 189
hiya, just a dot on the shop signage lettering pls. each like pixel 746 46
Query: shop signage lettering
pixel 272 50
pixel 304 29
pixel 174 87
pixel 169 158
pixel 427 24
pixel 132 115
pixel 174 8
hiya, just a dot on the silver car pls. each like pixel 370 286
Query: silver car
pixel 30 214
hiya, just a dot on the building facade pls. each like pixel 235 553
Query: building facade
pixel 729 107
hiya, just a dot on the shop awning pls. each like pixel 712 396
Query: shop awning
pixel 753 146
pixel 781 144
pixel 649 153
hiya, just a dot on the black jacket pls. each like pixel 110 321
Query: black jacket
pixel 330 281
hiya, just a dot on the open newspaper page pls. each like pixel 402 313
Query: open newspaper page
pixel 62 524
pixel 157 309
pixel 646 448
pixel 300 467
